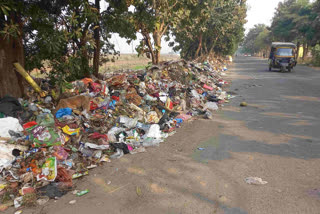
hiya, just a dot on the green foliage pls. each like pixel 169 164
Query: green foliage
pixel 68 69
pixel 154 19
pixel 316 55
pixel 209 27
pixel 294 20
pixel 258 39
pixel 60 33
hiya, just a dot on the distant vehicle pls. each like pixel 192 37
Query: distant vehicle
pixel 246 55
pixel 249 55
pixel 283 56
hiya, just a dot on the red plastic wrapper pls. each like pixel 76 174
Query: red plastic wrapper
pixel 29 124
pixel 97 135
pixel 93 105
pixel 115 98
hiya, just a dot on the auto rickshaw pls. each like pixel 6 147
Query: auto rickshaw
pixel 283 56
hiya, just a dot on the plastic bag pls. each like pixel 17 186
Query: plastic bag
pixel 255 180
pixel 45 119
pixel 128 122
pixel 63 111
pixel 95 146
pixel 169 104
pixel 212 106
pixel 153 132
pixel 9 123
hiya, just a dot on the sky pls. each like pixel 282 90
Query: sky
pixel 260 11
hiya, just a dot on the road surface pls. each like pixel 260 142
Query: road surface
pixel 276 137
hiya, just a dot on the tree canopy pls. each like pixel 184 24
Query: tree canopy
pixel 295 21
pixel 69 36
pixel 210 27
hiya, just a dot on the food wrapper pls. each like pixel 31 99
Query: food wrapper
pixel 67 130
pixel 49 170
pixel 43 136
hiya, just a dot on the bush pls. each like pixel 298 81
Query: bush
pixel 69 69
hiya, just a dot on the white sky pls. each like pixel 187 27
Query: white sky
pixel 260 11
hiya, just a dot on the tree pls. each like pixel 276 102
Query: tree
pixel 209 27
pixel 250 44
pixel 262 42
pixel 11 46
pixel 65 34
pixel 293 22
pixel 154 19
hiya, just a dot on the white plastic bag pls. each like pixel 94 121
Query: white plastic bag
pixel 9 123
pixel 212 106
pixel 153 132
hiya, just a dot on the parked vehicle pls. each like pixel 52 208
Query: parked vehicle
pixel 283 56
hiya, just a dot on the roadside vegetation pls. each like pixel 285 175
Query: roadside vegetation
pixel 71 38
pixel 296 21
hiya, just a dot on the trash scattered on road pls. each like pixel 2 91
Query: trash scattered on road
pixel 48 141
pixel 243 104
pixel 83 192
pixel 43 200
pixel 138 191
pixel 255 180
pixel 201 149
pixel 73 202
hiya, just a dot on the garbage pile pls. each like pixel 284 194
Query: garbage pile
pixel 47 142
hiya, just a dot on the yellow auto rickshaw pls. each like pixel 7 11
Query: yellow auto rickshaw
pixel 283 56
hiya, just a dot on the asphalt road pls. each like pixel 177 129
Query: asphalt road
pixel 276 137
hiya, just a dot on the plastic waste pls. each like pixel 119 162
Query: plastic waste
pixel 148 142
pixel 44 136
pixel 208 115
pixel 152 117
pixel 119 153
pixel 63 111
pixel 83 192
pixel 45 119
pixel 153 132
pixel 212 106
pixel 255 181
pixel 49 170
pixel 33 107
pixel 128 122
pixel 67 130
pixel 9 123
pixel 94 146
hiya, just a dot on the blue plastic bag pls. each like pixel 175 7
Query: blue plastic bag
pixel 63 111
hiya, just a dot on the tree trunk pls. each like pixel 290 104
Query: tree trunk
pixel 149 45
pixel 305 51
pixel 157 44
pixel 11 50
pixel 199 46
pixel 96 56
